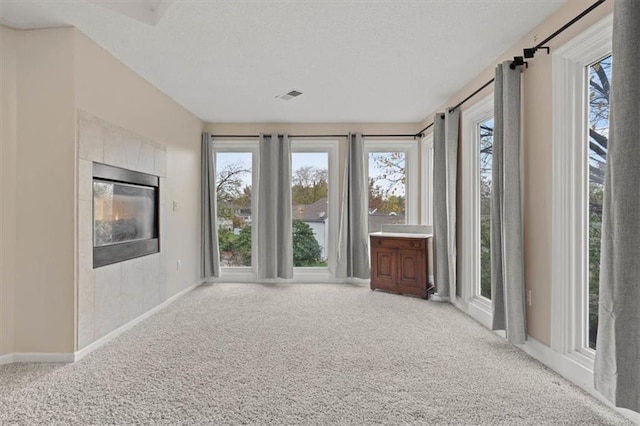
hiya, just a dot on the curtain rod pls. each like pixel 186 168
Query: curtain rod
pixel 527 53
pixel 541 45
pixel 402 135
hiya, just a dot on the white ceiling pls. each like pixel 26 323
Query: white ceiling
pixel 355 61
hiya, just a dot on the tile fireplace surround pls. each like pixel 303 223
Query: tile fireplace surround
pixel 113 295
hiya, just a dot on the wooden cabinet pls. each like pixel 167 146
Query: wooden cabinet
pixel 399 264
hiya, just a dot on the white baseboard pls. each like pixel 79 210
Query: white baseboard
pixel 72 357
pixel 42 357
pixel 6 359
pixel 300 277
pixel 571 370
pixel 36 357
pixel 78 355
pixel 567 366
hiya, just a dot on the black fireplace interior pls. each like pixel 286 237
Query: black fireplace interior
pixel 125 214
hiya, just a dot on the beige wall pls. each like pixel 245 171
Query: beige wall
pixel 8 148
pixel 108 89
pixel 536 136
pixel 45 249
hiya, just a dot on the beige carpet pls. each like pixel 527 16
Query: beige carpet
pixel 299 354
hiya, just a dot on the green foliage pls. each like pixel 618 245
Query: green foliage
pixel 387 183
pixel 306 250
pixel 486 160
pixel 235 248
pixel 595 225
pixel 243 246
pixel 485 256
pixel 393 204
pixel 226 240
pixel 383 202
pixel 309 194
pixel 309 185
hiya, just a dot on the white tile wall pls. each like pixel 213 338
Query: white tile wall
pixel 91 138
pixel 85 177
pixel 132 289
pixel 160 161
pixel 147 159
pixel 113 295
pixel 107 299
pixel 86 292
pixel 115 150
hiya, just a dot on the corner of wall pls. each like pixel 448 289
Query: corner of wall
pixel 45 202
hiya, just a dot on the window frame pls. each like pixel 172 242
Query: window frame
pixel 242 273
pixel 410 150
pixel 427 180
pixel 570 180
pixel 476 305
pixel 330 147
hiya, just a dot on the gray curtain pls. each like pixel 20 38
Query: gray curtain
pixel 275 232
pixel 209 251
pixel 353 248
pixel 507 264
pixel 617 363
pixel 445 172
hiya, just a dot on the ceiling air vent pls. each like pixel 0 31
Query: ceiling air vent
pixel 293 93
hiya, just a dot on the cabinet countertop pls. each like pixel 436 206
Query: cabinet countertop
pixel 399 235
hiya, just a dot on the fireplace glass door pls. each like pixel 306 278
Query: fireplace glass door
pixel 122 212
pixel 125 214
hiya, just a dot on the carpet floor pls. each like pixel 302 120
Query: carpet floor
pixel 299 354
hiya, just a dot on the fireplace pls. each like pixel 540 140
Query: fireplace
pixel 125 214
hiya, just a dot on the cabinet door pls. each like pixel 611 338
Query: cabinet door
pixel 384 269
pixel 412 267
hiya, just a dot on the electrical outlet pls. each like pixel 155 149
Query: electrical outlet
pixel 528 297
pixel 178 265
pixel 175 206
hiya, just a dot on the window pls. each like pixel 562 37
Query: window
pixel 234 183
pixel 309 195
pixel 581 71
pixel 485 157
pixel 598 123
pixel 475 207
pixel 392 183
pixel 314 197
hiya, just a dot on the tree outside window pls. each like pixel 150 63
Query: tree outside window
pixel 599 90
pixel 233 194
pixel 387 189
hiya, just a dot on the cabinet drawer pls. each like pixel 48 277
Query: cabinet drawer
pixel 398 243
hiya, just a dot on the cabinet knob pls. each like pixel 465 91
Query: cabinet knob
pixel 411 243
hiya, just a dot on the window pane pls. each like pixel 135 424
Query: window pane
pixel 486 158
pixel 309 193
pixel 387 188
pixel 233 186
pixel 599 78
